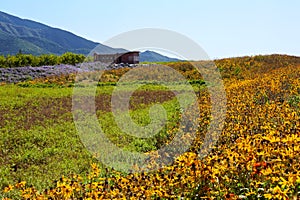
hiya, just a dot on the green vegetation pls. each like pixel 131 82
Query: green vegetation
pixel 39 142
pixel 38 138
pixel 21 60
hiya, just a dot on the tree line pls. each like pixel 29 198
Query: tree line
pixel 21 60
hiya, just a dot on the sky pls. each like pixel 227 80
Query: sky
pixel 222 28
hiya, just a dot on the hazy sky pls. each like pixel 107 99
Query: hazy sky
pixel 222 28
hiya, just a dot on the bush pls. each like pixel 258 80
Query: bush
pixel 72 59
pixel 22 60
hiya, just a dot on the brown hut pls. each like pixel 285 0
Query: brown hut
pixel 131 57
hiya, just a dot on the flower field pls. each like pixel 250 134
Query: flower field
pixel 21 74
pixel 257 155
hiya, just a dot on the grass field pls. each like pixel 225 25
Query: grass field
pixel 256 156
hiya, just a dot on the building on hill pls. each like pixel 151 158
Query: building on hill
pixel 131 57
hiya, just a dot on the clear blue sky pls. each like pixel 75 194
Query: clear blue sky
pixel 223 28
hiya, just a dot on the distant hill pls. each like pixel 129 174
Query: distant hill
pixel 103 49
pixel 36 38
pixel 151 56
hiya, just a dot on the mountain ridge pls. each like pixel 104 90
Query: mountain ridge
pixel 152 56
pixel 31 37
pixel 36 38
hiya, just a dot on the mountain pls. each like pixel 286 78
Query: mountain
pixel 36 38
pixel 103 49
pixel 151 56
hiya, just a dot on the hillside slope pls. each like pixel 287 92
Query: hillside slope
pixel 36 38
